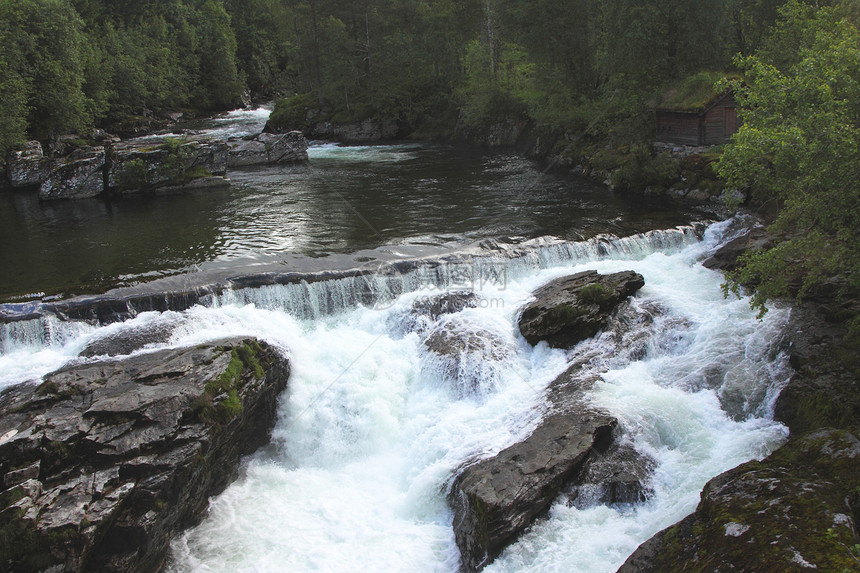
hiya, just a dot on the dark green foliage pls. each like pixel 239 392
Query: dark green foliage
pixel 799 148
pixel 562 314
pixel 641 169
pixel 133 176
pixel 219 86
pixel 46 388
pixel 292 113
pixel 67 64
pixel 40 43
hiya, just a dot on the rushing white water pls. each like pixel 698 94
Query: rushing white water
pixel 359 153
pixel 373 425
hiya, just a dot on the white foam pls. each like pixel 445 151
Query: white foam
pixel 366 443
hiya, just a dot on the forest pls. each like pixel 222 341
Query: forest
pixel 570 65
pixel 583 72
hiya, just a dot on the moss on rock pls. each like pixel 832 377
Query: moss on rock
pixel 220 402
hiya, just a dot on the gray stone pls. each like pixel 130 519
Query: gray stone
pixel 571 309
pixel 748 235
pixel 28 167
pixel 496 499
pixel 617 475
pixel 785 513
pixel 117 457
pixel 142 165
pixel 127 340
pixel 362 132
pixel 80 175
pixel 470 359
pixel 268 149
pixel 425 311
pixel 675 193
pixel 698 195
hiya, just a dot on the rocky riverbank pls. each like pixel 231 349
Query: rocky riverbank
pixel 104 462
pixel 797 509
pixel 106 165
pixel 678 173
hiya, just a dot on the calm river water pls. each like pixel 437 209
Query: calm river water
pixel 345 199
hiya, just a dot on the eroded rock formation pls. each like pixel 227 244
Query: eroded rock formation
pixel 102 463
pixel 573 308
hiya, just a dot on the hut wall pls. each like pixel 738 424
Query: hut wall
pixel 720 122
pixel 678 128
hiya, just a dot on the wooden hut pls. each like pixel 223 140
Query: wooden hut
pixel 710 124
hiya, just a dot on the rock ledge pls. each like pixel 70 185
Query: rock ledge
pixel 103 463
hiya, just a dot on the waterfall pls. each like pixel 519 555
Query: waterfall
pixel 384 405
pixel 374 283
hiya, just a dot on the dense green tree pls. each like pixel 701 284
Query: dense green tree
pixel 800 147
pixel 13 94
pixel 220 87
pixel 42 40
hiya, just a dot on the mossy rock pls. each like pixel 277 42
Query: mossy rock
pixel 292 113
pixel 770 516
pixel 220 402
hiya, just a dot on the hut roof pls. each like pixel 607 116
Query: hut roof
pixel 693 94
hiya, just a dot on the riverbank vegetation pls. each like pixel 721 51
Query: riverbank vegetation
pixel 584 75
pixel 799 150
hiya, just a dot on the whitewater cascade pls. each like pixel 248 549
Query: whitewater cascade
pixel 373 427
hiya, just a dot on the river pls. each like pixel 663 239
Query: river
pixel 372 427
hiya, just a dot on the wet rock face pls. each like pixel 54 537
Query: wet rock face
pixel 468 358
pixel 458 354
pixel 432 308
pixel 790 512
pixel 496 499
pixel 28 167
pixel 797 509
pixel 749 235
pixel 268 149
pixel 617 475
pixel 143 166
pixel 77 176
pixel 571 309
pixel 824 390
pixel 125 340
pixel 363 132
pixel 103 463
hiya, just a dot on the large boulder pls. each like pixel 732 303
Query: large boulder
pixel 268 149
pixel 142 165
pixel 824 391
pixel 427 310
pixel 366 131
pixel 496 499
pixel 103 463
pixel 617 476
pixel 571 309
pixel 78 176
pixel 127 337
pixel 28 167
